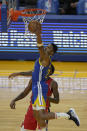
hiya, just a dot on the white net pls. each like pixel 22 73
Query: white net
pixel 38 15
pixel 12 4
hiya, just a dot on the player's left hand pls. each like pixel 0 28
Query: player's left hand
pixel 12 75
pixel 12 104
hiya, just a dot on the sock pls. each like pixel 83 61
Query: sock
pixel 61 115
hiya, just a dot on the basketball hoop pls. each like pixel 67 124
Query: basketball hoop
pixel 29 15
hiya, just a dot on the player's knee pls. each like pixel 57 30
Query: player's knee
pixel 41 114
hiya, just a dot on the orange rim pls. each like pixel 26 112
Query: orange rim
pixel 21 12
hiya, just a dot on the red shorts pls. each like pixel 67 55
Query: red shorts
pixel 29 122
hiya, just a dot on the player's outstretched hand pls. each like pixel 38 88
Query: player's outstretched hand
pixel 12 75
pixel 12 104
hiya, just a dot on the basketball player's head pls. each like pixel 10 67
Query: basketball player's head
pixel 51 49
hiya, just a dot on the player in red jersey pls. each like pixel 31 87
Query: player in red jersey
pixel 29 122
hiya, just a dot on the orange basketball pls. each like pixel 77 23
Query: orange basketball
pixel 34 26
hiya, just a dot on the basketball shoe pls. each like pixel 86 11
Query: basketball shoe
pixel 73 116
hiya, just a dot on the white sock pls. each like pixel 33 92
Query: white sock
pixel 61 115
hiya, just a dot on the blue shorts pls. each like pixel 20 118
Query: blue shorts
pixel 39 97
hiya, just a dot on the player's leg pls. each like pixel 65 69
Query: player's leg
pixel 42 116
pixel 38 118
pixel 71 115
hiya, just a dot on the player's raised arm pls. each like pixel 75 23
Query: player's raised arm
pixel 40 47
pixel 35 27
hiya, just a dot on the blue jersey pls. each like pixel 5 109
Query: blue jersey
pixel 39 85
pixel 40 72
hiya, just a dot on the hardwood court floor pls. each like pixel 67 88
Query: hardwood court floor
pixel 10 120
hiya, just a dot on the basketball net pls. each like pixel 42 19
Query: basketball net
pixel 33 14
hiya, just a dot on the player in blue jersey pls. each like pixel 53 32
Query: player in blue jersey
pixel 41 71
pixel 39 86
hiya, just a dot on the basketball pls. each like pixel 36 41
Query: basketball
pixel 34 26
